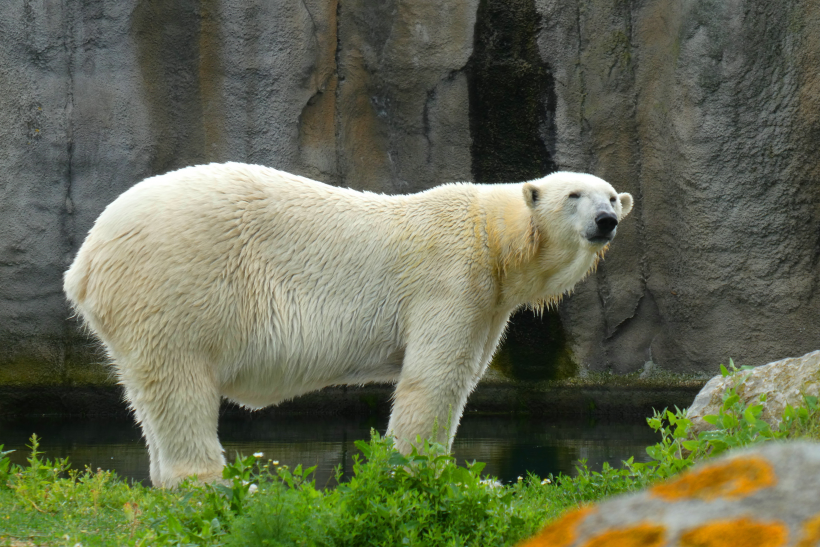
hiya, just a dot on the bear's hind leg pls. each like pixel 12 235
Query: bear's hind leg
pixel 151 443
pixel 178 413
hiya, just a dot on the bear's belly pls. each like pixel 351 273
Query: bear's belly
pixel 260 385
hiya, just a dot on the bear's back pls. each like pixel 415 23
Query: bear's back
pixel 242 262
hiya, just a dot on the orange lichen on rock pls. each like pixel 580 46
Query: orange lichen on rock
pixel 736 533
pixel 735 478
pixel 811 532
pixel 560 533
pixel 641 535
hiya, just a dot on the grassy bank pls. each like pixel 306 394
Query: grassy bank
pixel 421 499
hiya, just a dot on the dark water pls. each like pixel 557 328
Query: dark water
pixel 509 445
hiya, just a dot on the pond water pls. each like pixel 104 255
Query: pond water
pixel 509 445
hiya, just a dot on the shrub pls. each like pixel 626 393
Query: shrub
pixel 424 498
pixel 736 425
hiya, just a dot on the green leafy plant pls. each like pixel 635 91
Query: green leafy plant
pixel 803 421
pixel 423 498
pixel 35 480
pixel 208 509
pixel 414 498
pixel 735 425
pixel 286 510
pixel 590 486
pixel 5 466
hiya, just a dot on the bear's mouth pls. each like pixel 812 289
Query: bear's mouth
pixel 600 240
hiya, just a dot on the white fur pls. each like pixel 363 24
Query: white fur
pixel 244 282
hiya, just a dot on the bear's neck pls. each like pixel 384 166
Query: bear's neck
pixel 544 280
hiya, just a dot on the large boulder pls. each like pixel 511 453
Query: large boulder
pixel 784 382
pixel 764 497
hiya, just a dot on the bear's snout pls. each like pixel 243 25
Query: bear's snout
pixel 606 222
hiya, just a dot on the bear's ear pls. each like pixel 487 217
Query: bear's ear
pixel 531 194
pixel 626 203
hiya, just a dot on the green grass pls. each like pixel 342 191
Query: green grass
pixel 421 499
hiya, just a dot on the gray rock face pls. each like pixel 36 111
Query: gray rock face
pixel 707 112
pixel 765 497
pixel 784 382
pixel 99 95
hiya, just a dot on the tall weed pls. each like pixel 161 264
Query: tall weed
pixel 5 467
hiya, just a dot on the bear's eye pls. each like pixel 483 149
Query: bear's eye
pixel 574 195
pixel 612 200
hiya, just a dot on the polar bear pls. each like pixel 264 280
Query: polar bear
pixel 244 282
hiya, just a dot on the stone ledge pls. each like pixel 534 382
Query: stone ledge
pixel 488 398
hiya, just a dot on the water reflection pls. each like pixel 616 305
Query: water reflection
pixel 509 445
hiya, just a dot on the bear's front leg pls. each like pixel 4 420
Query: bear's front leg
pixel 438 374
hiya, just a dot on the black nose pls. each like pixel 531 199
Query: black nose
pixel 606 222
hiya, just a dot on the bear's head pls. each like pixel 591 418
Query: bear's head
pixel 576 209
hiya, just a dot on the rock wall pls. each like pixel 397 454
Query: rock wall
pixel 707 111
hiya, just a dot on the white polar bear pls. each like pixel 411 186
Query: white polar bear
pixel 244 282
